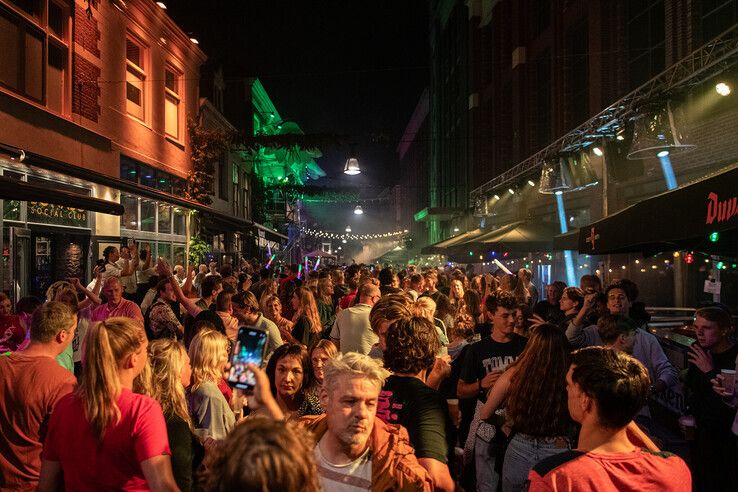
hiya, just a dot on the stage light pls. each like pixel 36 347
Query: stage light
pixel 496 197
pixel 598 151
pixel 194 41
pixel 722 88
pixel 351 167
pixel 511 191
pixel 662 153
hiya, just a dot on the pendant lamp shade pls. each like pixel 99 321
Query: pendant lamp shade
pixel 481 207
pixel 555 176
pixel 351 167
pixel 358 210
pixel 656 133
pixel 580 171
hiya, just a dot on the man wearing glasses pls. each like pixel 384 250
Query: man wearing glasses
pixel 352 331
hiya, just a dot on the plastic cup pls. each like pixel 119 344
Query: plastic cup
pixel 453 410
pixel 688 424
pixel 728 380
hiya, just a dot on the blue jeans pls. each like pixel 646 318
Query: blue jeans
pixel 487 477
pixel 522 454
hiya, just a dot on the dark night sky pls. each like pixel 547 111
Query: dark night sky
pixel 348 67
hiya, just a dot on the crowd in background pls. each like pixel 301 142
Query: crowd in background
pixel 374 379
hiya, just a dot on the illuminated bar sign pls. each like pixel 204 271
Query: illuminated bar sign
pixel 48 213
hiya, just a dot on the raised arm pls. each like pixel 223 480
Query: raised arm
pixel 147 261
pixel 91 297
pixel 165 271
pixel 187 286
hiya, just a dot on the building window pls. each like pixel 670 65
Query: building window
pixel 223 177
pixel 172 113
pixel 236 193
pixel 717 17
pixel 578 83
pixel 646 40
pixel 135 78
pixel 34 56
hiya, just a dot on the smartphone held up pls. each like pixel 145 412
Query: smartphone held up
pixel 248 349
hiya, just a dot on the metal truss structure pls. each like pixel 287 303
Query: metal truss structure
pixel 702 64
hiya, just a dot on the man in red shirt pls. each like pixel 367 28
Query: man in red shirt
pixel 31 383
pixel 606 390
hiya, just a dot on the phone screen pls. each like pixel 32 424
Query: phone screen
pixel 249 348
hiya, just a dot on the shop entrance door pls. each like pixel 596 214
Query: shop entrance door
pixel 16 262
pixel 57 255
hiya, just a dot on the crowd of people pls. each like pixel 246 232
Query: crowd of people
pixel 373 379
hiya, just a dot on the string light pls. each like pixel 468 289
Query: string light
pixel 352 237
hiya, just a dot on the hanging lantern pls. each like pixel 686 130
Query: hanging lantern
pixel 351 167
pixel 580 171
pixel 656 134
pixel 358 210
pixel 481 207
pixel 555 177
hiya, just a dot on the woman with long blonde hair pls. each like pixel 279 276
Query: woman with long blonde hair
pixel 97 420
pixel 170 374
pixel 66 293
pixel 208 407
pixel 307 327
pixel 324 301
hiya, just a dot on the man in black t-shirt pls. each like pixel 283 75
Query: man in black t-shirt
pixel 412 344
pixel 483 364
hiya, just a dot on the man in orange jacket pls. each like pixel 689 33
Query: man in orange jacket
pixel 355 450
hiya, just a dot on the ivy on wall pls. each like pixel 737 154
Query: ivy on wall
pixel 207 147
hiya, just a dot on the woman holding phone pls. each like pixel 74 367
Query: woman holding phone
pixel 210 411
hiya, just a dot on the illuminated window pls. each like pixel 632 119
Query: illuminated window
pixel 135 78
pixel 172 101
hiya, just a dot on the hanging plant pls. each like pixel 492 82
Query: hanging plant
pixel 207 147
pixel 198 249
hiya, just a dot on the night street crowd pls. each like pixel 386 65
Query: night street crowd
pixel 374 378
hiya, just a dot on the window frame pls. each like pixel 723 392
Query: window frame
pixel 38 28
pixel 139 72
pixel 175 95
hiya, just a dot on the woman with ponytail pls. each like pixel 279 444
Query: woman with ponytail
pixel 104 436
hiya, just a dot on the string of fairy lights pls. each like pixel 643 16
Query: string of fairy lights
pixel 352 237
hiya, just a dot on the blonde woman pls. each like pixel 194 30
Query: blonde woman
pixel 425 307
pixel 209 408
pixel 456 295
pixel 307 327
pixel 324 301
pixel 170 375
pixel 272 309
pixel 66 293
pixel 104 436
pixel 321 353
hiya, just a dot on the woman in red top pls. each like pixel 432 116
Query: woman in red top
pixel 103 436
pixel 12 330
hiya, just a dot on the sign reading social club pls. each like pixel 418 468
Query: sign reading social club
pixel 48 213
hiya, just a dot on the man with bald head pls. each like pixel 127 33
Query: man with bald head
pixel 115 305
pixel 351 331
